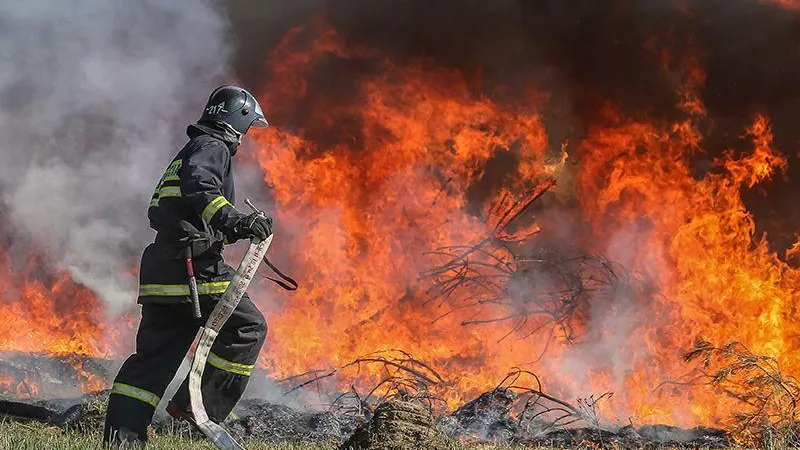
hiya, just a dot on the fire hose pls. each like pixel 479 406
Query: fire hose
pixel 208 333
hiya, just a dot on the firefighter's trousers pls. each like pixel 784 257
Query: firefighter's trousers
pixel 165 334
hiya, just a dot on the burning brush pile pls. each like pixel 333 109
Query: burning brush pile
pixel 547 255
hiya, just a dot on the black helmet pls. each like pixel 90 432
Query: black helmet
pixel 236 107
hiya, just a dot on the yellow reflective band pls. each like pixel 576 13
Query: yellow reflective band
pixel 229 366
pixel 169 191
pixel 171 174
pixel 216 287
pixel 173 169
pixel 182 290
pixel 134 392
pixel 214 206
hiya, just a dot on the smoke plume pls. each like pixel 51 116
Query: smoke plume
pixel 96 96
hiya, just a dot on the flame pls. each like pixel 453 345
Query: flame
pixel 46 313
pixel 375 174
pixel 793 252
pixel 88 381
pixel 58 317
pixel 365 209
pixel 22 388
pixel 696 239
pixel 374 178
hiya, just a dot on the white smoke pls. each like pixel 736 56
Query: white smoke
pixel 96 96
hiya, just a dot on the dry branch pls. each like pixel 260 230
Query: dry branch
pixel 518 399
pixel 769 397
pixel 495 282
pixel 548 291
pixel 537 410
pixel 403 377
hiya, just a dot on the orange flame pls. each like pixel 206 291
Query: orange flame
pixel 412 159
pixel 360 210
pixel 14 387
pixel 697 244
pixel 59 317
pixel 46 313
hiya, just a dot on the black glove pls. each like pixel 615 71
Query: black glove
pixel 253 226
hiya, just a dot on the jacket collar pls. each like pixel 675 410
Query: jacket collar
pixel 217 130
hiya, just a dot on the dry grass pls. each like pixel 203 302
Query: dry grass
pixel 769 416
pixel 34 436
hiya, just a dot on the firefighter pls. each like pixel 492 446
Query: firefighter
pixel 193 205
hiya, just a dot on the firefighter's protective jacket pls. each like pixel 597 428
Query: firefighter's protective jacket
pixel 194 199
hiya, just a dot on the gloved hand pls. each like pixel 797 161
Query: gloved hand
pixel 252 226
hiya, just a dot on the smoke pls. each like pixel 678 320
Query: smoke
pixel 96 96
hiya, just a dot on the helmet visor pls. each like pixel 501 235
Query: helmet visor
pixel 260 121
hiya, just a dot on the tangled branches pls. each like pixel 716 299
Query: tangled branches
pixel 518 405
pixel 537 411
pixel 769 398
pixel 402 377
pixel 498 281
pixel 545 292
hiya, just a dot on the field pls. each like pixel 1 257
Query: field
pixel 16 436
pixel 33 436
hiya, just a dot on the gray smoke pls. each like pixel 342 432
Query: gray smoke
pixel 96 96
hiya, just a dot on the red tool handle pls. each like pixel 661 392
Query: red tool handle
pixel 189 266
pixel 192 284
